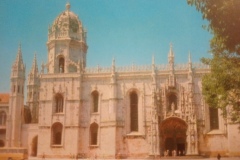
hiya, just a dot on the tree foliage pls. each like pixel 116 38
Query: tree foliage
pixel 224 22
pixel 221 88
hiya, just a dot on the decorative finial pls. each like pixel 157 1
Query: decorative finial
pixel 153 59
pixel 171 50
pixel 68 6
pixel 19 47
pixel 189 57
pixel 113 61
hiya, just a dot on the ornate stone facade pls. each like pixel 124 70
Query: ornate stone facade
pixel 132 111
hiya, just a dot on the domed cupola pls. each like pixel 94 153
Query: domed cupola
pixel 67 47
pixel 67 25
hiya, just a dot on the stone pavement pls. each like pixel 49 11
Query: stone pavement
pixel 163 158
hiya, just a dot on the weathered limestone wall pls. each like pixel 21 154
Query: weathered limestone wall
pixel 233 140
pixel 213 143
pixel 136 147
pixel 29 132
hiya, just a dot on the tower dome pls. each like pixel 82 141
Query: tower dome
pixel 67 25
pixel 67 47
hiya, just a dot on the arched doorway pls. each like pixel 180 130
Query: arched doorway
pixel 34 146
pixel 173 136
pixel 2 143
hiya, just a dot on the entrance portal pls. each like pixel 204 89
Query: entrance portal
pixel 173 136
pixel 34 146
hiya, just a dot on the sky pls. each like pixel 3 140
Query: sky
pixel 130 31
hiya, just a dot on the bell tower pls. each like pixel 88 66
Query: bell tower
pixel 16 102
pixel 67 47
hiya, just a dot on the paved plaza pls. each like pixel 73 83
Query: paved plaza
pixel 170 158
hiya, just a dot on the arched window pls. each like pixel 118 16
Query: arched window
pixel 213 114
pixel 134 111
pixel 95 97
pixel 93 134
pixel 58 103
pixel 172 102
pixel 61 65
pixel 57 133
pixel 3 118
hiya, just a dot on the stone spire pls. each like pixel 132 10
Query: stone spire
pixel 16 102
pixel 19 60
pixel 171 80
pixel 153 71
pixel 33 91
pixel 113 75
pixel 189 60
pixel 113 65
pixel 18 68
pixel 171 55
pixel 33 75
pixel 190 71
pixel 34 69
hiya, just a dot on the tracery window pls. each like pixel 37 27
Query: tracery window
pixel 58 103
pixel 61 65
pixel 3 118
pixel 133 111
pixel 213 114
pixel 57 133
pixel 95 97
pixel 93 134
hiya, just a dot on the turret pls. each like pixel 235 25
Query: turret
pixel 171 80
pixel 16 103
pixel 66 44
pixel 33 91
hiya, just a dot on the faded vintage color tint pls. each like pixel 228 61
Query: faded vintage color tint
pixel 109 112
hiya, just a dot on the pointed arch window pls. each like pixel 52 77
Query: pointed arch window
pixel 213 115
pixel 95 98
pixel 58 103
pixel 3 118
pixel 133 111
pixel 61 64
pixel 93 134
pixel 57 133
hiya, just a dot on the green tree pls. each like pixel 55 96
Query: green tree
pixel 221 87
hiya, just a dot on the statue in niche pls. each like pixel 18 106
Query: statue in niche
pixel 61 68
pixel 172 108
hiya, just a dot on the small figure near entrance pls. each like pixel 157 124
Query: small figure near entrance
pixel 179 153
pixel 43 156
pixel 218 156
pixel 166 153
pixel 174 153
pixel 173 108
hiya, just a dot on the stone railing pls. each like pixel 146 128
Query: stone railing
pixel 98 69
pixel 134 68
pixel 200 66
pixel 144 68
pixel 65 34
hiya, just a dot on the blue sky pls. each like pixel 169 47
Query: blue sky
pixel 131 31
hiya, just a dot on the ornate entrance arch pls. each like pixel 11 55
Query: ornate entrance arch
pixel 173 136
